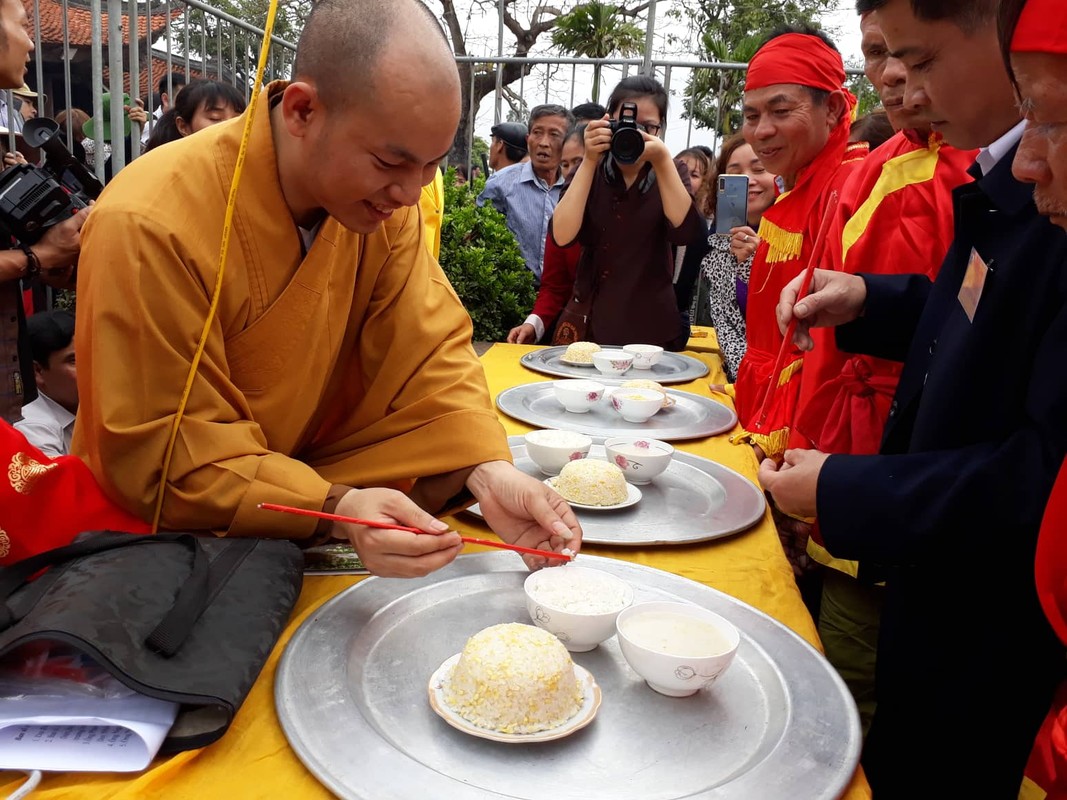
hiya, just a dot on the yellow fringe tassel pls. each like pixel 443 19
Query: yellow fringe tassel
pixel 789 372
pixel 783 245
pixel 772 444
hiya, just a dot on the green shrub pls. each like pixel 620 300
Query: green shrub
pixel 482 260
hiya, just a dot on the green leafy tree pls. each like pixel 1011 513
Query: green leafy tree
pixel 482 261
pixel 598 30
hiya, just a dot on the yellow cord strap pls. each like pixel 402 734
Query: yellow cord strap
pixel 227 225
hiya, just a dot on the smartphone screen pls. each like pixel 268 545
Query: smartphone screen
pixel 731 203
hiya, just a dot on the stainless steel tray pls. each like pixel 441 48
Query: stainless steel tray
pixel 691 417
pixel 694 500
pixel 672 367
pixel 351 696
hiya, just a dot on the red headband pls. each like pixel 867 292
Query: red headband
pixel 1042 28
pixel 797 58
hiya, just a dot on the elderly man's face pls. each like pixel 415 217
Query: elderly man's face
pixel 886 75
pixel 786 127
pixel 955 79
pixel 1042 155
pixel 545 143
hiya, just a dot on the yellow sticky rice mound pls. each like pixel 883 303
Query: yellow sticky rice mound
pixel 582 352
pixel 645 383
pixel 514 678
pixel 591 483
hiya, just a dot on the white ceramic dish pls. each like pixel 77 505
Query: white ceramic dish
pixel 586 714
pixel 633 497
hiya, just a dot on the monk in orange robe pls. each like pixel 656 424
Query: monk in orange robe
pixel 797 118
pixel 339 360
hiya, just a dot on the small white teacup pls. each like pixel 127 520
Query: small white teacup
pixel 645 356
pixel 578 396
pixel 551 450
pixel 612 362
pixel 636 405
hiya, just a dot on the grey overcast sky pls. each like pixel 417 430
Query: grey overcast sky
pixel 843 26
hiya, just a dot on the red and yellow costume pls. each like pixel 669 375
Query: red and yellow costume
pixel 895 216
pixel 787 232
pixel 1042 28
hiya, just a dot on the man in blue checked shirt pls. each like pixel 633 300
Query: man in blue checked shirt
pixel 527 193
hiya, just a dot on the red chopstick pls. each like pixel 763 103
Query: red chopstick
pixel 390 527
pixel 787 340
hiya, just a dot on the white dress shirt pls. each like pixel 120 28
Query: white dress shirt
pixel 48 426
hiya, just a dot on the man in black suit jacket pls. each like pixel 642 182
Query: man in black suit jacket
pixel 948 513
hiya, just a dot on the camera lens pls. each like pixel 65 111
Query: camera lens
pixel 627 145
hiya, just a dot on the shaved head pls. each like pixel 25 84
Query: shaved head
pixel 343 44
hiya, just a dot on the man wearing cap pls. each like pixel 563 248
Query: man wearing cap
pixel 797 115
pixel 508 145
pixel 27 105
pixel 1033 35
pixel 526 194
pixel 948 511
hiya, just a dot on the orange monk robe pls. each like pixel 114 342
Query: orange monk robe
pixel 432 207
pixel 352 365
pixel 787 231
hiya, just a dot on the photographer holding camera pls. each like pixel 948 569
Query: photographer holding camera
pixel 52 257
pixel 627 204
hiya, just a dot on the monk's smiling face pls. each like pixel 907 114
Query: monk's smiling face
pixel 360 160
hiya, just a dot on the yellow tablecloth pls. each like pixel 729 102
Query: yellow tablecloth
pixel 253 760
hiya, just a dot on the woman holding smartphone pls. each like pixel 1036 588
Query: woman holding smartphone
pixel 726 267
pixel 626 214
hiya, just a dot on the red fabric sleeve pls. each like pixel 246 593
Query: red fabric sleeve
pixel 557 280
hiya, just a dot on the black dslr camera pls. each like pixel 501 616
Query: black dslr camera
pixel 32 199
pixel 627 143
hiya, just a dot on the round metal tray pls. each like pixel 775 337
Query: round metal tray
pixel 693 500
pixel 672 367
pixel 690 417
pixel 351 696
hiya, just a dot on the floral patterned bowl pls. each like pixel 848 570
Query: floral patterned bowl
pixel 552 450
pixel 613 362
pixel 678 648
pixel 640 459
pixel 576 604
pixel 578 395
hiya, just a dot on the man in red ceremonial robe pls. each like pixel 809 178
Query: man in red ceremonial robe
pixel 796 117
pixel 1035 33
pixel 894 217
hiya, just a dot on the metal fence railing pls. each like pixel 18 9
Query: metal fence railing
pixel 76 64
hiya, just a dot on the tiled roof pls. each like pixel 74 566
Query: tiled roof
pixel 159 71
pixel 80 20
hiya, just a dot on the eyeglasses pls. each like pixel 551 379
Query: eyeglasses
pixel 651 128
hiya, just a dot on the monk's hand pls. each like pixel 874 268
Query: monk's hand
pixel 522 334
pixel 833 298
pixel 395 554
pixel 794 482
pixel 523 510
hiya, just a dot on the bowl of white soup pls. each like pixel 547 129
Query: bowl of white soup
pixel 678 648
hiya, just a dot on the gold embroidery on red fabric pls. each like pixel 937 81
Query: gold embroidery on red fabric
pixel 5 543
pixel 23 472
